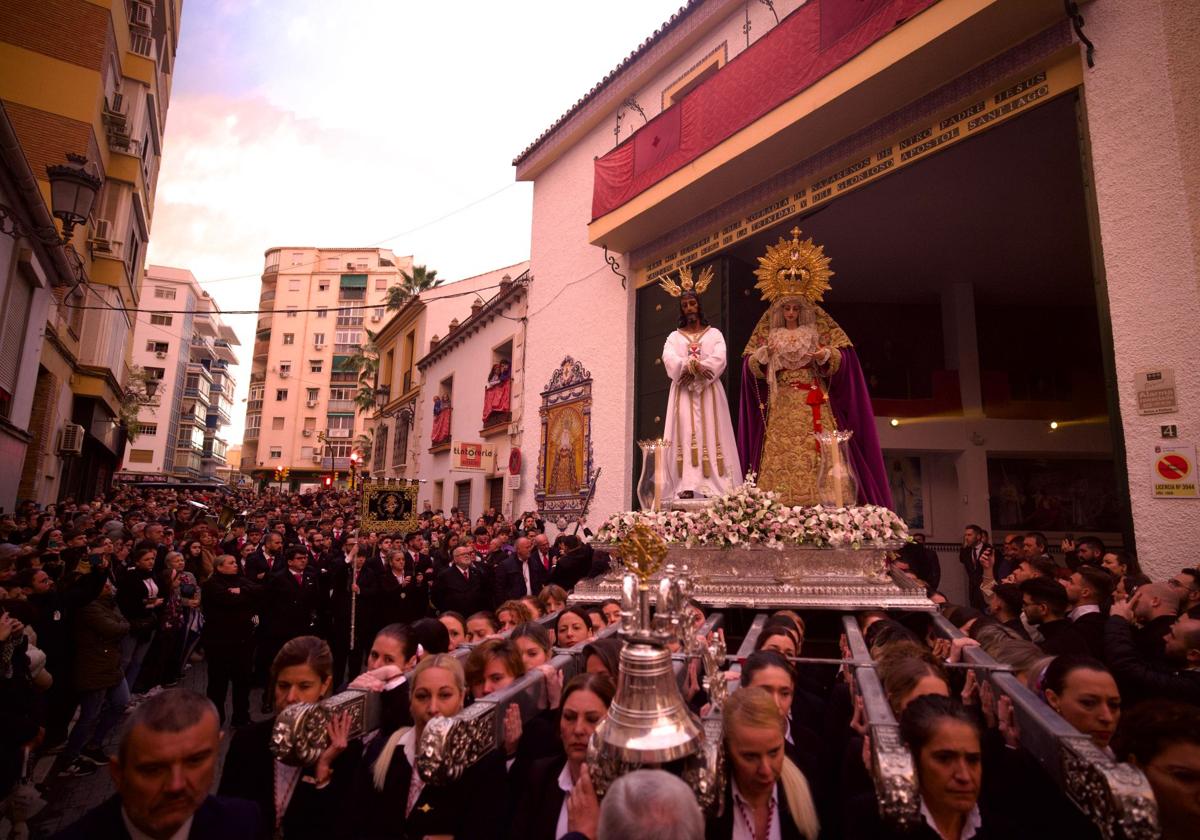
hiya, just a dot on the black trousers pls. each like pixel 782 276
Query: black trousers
pixel 230 663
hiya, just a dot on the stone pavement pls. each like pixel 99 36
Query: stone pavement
pixel 69 798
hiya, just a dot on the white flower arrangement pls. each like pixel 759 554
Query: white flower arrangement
pixel 751 516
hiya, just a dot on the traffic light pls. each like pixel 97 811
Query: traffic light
pixel 285 472
pixel 328 481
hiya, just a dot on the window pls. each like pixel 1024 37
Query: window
pixel 294 284
pixel 349 318
pixel 280 394
pixel 154 372
pixel 340 421
pixel 381 284
pixel 141 456
pixel 348 337
pixel 276 452
pixel 291 311
pixel 379 453
pixel 14 327
pixel 157 347
pixel 289 338
pixel 313 394
pixel 400 446
pixel 164 294
pixel 297 257
pixel 277 424
pixel 322 312
pixel 161 320
pixel 341 393
pixel 439 491
pixel 310 424
pixel 148 429
pixel 253 423
pixel 378 313
pixel 323 284
pixel 285 368
pixel 316 365
pixel 462 497
pixel 318 339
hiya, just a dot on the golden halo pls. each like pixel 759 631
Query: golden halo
pixel 686 284
pixel 794 269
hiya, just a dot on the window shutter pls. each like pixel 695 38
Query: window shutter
pixel 12 336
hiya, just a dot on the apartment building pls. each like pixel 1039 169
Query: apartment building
pixel 407 337
pixel 318 305
pixel 186 351
pixel 91 80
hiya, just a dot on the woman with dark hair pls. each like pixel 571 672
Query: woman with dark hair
pixel 1083 691
pixel 573 627
pixel 140 596
pixel 534 642
pixel 909 671
pixel 764 785
pixel 547 783
pixel 768 670
pixel 456 627
pixel 1121 563
pixel 780 639
pixel 552 598
pixel 1162 739
pixel 296 802
pixel 603 656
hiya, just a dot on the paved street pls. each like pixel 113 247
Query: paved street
pixel 70 798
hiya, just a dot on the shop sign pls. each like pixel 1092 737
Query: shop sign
pixel 467 456
pixel 1156 391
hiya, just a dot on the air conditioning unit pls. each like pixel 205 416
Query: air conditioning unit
pixel 349 266
pixel 284 374
pixel 376 318
pixel 306 432
pixel 316 459
pixel 70 440
pixel 319 345
pixel 159 354
pixel 311 404
pixel 514 482
pixel 101 239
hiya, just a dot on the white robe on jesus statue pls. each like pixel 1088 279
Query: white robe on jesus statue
pixel 702 457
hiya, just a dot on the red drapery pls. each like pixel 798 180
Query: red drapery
pixel 441 427
pixel 807 45
pixel 496 399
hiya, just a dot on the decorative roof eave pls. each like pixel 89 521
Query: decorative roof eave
pixel 657 37
pixel 491 309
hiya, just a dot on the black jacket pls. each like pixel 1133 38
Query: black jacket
pixel 510 579
pixel 720 827
pixel 377 814
pixel 462 594
pixel 572 567
pixel 1062 638
pixel 1091 627
pixel 1149 638
pixel 229 617
pixel 539 806
pixel 974 571
pixel 132 594
pixel 217 818
pixel 292 608
pixel 249 773
pixel 1145 678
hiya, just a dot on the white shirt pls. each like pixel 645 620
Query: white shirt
pixel 525 574
pixel 970 828
pixel 136 833
pixel 408 742
pixel 1082 610
pixel 743 830
pixel 566 786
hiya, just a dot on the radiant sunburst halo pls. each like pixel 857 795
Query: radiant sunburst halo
pixel 794 268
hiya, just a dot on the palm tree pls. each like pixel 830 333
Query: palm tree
pixel 421 279
pixel 365 360
pixel 365 444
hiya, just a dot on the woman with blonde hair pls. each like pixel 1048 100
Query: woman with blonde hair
pixel 764 784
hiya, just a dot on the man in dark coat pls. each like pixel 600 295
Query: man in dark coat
pixel 520 575
pixel 1046 609
pixel 972 550
pixel 1178 679
pixel 266 558
pixel 163 774
pixel 229 602
pixel 460 587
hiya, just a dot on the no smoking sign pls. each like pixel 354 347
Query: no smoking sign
pixel 1173 475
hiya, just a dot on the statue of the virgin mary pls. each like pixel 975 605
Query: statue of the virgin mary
pixel 800 376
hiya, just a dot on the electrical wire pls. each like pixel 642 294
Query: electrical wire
pixel 421 226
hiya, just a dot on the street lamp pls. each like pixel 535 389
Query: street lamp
pixel 73 192
pixel 382 395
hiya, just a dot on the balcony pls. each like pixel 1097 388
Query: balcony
pixel 141 44
pixel 202 349
pixel 268 296
pixel 346 349
pixel 250 434
pixel 220 413
pixel 341 407
pixel 335 463
pixel 203 324
pixel 339 434
pixel 254 406
pixel 224 352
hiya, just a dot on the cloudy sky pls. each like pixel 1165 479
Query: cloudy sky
pixel 367 123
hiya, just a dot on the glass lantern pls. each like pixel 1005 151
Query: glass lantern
pixel 837 483
pixel 652 487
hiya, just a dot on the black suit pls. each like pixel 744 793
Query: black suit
pixel 259 565
pixel 463 594
pixel 228 637
pixel 969 557
pixel 572 567
pixel 399 603
pixel 1091 627
pixel 217 818
pixel 376 814
pixel 721 827
pixel 293 607
pixel 511 579
pixel 249 773
pixel 340 617
pixel 1061 638
pixel 541 800
pixel 1149 638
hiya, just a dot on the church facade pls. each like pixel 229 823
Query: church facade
pixel 1005 195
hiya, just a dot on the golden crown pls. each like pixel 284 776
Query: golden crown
pixel 794 269
pixel 686 284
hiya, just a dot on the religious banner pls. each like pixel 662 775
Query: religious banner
pixel 565 471
pixel 389 507
pixel 967 119
pixel 472 457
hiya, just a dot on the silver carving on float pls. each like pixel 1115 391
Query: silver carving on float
pixel 796 577
pixel 301 732
pixel 1113 795
pixel 450 745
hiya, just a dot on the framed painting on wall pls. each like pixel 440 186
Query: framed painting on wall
pixel 565 470
pixel 906 480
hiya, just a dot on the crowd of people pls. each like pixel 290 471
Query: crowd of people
pixel 108 603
